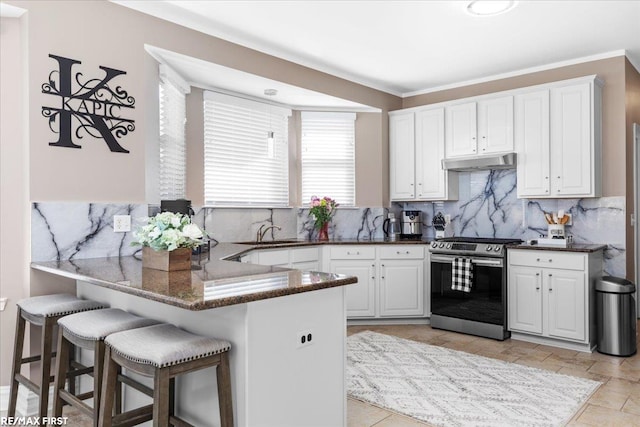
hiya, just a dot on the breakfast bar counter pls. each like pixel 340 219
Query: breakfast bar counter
pixel 263 311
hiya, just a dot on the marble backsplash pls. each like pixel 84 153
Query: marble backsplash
pixel 487 207
pixel 61 231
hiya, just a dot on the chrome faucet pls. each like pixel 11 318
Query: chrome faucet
pixel 261 232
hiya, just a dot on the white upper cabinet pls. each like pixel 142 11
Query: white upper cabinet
pixel 416 150
pixel 495 125
pixel 461 130
pixel 432 182
pixel 558 140
pixel 532 143
pixel 482 127
pixel 402 156
pixel 571 141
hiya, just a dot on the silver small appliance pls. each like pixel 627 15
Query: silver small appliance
pixel 411 225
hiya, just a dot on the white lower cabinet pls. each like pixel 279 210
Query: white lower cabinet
pixel 360 296
pixel 401 288
pixel 298 258
pixel 390 279
pixel 551 295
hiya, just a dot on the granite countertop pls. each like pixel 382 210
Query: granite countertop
pixel 573 247
pixel 211 283
pixel 269 244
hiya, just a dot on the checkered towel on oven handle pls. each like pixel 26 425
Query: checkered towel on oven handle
pixel 462 274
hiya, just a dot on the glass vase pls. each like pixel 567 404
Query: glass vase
pixel 323 232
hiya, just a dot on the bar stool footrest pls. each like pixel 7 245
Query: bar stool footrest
pixel 179 422
pixel 133 417
pixel 77 401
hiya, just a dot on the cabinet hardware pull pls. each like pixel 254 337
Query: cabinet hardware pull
pixel 373 277
pixel 411 184
pixel 558 176
pixel 537 274
pixel 550 275
pixel 550 260
pixel 546 177
pixel 373 265
pixel 537 288
pixel 550 289
pixel 538 259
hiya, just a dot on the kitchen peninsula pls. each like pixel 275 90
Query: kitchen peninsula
pixel 262 310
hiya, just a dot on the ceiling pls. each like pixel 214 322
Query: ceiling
pixel 409 47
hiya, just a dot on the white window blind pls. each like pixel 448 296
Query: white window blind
pixel 173 163
pixel 241 166
pixel 328 156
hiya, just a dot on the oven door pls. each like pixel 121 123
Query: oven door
pixel 485 303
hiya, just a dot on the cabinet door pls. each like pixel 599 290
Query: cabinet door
pixel 565 294
pixel 525 299
pixel 571 143
pixel 278 257
pixel 461 130
pixel 360 296
pixel 431 179
pixel 532 143
pixel 495 125
pixel 306 265
pixel 401 288
pixel 401 156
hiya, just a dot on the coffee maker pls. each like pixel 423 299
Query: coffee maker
pixel 411 225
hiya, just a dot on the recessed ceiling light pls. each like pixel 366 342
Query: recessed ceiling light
pixel 489 7
pixel 270 92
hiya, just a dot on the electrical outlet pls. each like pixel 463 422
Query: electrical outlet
pixel 121 223
pixel 447 218
pixel 3 303
pixel 304 338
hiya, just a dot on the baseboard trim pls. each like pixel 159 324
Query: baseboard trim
pixel 586 348
pixel 27 401
pixel 378 321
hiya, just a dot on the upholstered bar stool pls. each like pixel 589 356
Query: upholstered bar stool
pixel 163 352
pixel 88 330
pixel 43 311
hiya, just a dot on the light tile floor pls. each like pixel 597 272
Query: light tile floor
pixel 616 403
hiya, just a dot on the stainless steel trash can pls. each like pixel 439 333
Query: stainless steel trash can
pixel 616 316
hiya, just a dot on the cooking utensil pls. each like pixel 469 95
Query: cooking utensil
pixel 555 218
pixel 548 218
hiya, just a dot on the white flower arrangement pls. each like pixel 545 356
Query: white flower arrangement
pixel 168 231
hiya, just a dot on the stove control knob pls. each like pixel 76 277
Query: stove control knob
pixel 434 245
pixel 489 248
pixel 497 249
pixel 442 245
pixel 448 245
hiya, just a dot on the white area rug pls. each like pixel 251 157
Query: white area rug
pixel 446 387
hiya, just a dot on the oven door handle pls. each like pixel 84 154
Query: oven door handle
pixel 479 261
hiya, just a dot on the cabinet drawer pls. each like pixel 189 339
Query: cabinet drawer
pixel 548 259
pixel 353 252
pixel 304 255
pixel 402 252
pixel 277 257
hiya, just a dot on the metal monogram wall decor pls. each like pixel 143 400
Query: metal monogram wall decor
pixel 87 106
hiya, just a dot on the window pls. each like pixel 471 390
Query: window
pixel 328 156
pixel 242 165
pixel 173 163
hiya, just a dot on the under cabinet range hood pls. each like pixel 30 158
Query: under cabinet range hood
pixel 496 161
